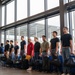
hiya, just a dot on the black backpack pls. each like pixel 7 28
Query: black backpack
pixel 24 64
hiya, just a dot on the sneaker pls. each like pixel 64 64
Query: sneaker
pixel 29 69
pixel 68 74
pixel 63 74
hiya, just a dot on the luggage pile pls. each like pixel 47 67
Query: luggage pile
pixel 46 65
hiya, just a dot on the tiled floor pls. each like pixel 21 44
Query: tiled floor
pixel 12 71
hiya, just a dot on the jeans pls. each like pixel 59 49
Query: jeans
pixel 12 56
pixel 44 54
pixel 22 52
pixel 54 54
pixel 65 55
pixel 36 56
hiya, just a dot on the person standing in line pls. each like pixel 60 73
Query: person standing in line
pixel 7 49
pixel 30 52
pixel 12 55
pixel 66 48
pixel 44 53
pixel 23 46
pixel 11 47
pixel 30 47
pixel 54 45
pixel 44 47
pixel 16 48
pixel 37 47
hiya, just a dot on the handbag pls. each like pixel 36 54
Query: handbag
pixel 28 57
pixel 70 62
pixel 56 62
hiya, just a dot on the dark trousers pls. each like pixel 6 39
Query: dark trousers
pixel 36 56
pixel 22 52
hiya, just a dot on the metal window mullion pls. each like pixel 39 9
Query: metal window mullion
pixel 5 14
pixel 15 18
pixel 28 8
pixel 70 26
pixel 74 26
pixel 63 16
pixel 46 28
pixel 4 37
pixel 15 34
pixel 15 8
pixel 28 30
pixel 5 23
pixel 70 23
pixel 45 5
pixel 28 11
pixel 46 21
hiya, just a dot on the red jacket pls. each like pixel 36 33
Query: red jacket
pixel 30 49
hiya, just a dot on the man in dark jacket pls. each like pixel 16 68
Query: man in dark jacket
pixel 37 47
pixel 7 49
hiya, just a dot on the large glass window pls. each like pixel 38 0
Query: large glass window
pixel 10 12
pixel 71 0
pixel 52 3
pixel 71 15
pixel 37 29
pixel 53 25
pixel 68 20
pixel 66 1
pixel 21 31
pixel 21 9
pixel 73 28
pixel 10 34
pixel 36 6
pixel 3 15
pixel 2 37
